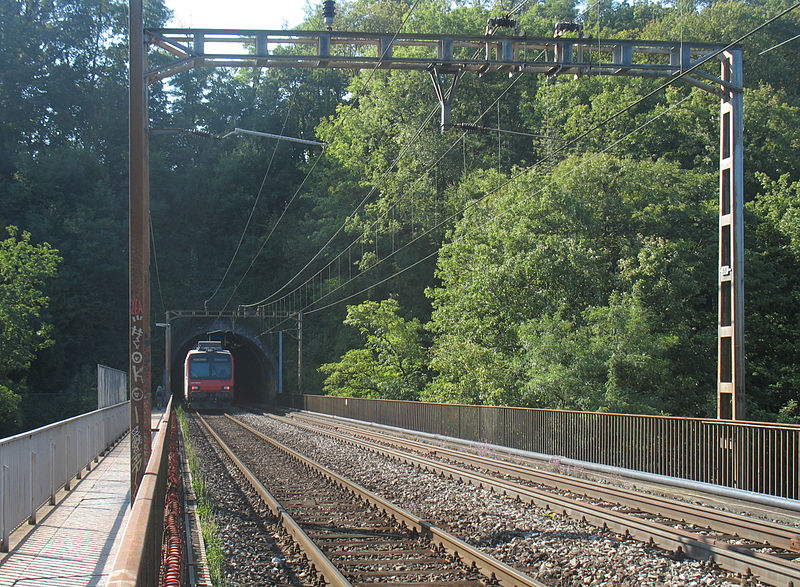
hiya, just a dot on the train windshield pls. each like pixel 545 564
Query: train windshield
pixel 210 366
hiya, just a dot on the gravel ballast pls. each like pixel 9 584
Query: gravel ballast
pixel 548 546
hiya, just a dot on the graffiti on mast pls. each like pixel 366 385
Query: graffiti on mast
pixel 140 390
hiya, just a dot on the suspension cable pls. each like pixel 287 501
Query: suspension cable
pixel 475 202
pixel 255 203
pixel 322 153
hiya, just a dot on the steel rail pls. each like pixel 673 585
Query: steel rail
pixel 317 558
pixel 681 457
pixel 486 564
pixel 752 529
pixel 768 568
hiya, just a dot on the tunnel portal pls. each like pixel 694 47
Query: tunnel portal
pixel 255 366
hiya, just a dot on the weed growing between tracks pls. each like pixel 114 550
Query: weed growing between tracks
pixel 205 510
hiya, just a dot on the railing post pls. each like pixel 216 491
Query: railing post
pixel 78 466
pixel 52 473
pixel 4 511
pixel 68 484
pixel 88 448
pixel 32 493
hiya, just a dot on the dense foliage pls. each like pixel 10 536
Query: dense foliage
pixel 496 267
pixel 592 276
pixel 24 269
pixel 392 363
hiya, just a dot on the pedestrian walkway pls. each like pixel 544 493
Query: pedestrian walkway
pixel 75 542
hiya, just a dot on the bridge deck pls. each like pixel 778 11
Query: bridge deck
pixel 74 542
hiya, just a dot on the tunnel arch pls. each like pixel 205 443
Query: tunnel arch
pixel 255 365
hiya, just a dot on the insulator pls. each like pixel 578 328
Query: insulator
pixel 504 21
pixel 568 27
pixel 328 12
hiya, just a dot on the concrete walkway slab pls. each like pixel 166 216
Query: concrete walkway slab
pixel 74 542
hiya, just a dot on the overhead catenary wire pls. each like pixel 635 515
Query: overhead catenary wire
pixel 269 135
pixel 422 235
pixel 475 202
pixel 505 131
pixel 155 259
pixel 705 59
pixel 582 135
pixel 781 44
pixel 518 7
pixel 308 311
pixel 322 153
pixel 671 81
pixel 369 194
pixel 255 203
pixel 437 225
pixel 625 109
pixel 353 213
pixel 587 9
pixel 408 190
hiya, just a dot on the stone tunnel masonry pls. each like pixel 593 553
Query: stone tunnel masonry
pixel 256 367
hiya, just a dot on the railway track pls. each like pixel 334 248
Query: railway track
pixel 648 524
pixel 240 517
pixel 349 535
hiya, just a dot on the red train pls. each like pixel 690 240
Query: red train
pixel 208 376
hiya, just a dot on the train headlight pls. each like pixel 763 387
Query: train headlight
pixel 226 388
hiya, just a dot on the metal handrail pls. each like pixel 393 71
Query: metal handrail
pixel 34 465
pixel 755 456
pixel 138 560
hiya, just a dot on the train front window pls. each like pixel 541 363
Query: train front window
pixel 221 367
pixel 209 366
pixel 199 367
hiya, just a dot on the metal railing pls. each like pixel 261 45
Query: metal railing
pixel 138 562
pixel 754 456
pixel 35 465
pixel 112 386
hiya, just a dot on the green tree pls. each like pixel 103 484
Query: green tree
pixel 772 300
pixel 10 412
pixel 392 363
pixel 63 176
pixel 637 356
pixel 24 268
pixel 557 363
pixel 545 289
pixel 581 288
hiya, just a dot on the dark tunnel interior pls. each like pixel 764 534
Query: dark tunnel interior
pixel 254 372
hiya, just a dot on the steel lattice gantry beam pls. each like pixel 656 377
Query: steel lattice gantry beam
pixel 447 53
pixel 440 55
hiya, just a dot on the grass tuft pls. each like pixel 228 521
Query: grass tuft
pixel 205 509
